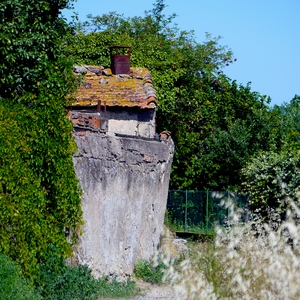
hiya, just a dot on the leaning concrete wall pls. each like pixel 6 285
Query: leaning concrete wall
pixel 125 185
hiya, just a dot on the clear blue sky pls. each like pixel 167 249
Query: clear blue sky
pixel 264 36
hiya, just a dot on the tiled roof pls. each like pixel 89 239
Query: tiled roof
pixel 130 90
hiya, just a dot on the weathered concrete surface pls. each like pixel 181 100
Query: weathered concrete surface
pixel 125 185
pixel 140 122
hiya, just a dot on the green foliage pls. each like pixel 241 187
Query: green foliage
pixel 271 178
pixel 56 280
pixel 149 272
pixel 39 192
pixel 113 288
pixel 12 285
pixel 31 39
pixel 216 124
pixel 288 137
pixel 216 135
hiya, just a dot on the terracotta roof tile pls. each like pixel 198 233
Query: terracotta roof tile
pixel 131 90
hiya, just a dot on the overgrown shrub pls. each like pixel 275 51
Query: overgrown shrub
pixel 149 272
pixel 270 178
pixel 56 280
pixel 12 285
pixel 113 288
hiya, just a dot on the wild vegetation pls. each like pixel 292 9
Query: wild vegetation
pixel 39 192
pixel 150 271
pixel 56 280
pixel 226 137
pixel 257 260
pixel 12 284
pixel 216 124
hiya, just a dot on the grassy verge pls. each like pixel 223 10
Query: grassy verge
pixel 244 261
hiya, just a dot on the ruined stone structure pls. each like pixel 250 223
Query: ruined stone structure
pixel 116 104
pixel 123 169
pixel 125 185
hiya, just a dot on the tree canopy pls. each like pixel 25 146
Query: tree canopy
pixel 288 136
pixel 271 178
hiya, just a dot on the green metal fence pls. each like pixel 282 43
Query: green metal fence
pixel 201 211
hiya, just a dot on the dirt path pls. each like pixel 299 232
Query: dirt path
pixel 151 292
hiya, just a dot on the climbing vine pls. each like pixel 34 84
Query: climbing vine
pixel 39 191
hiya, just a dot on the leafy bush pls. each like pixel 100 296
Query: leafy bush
pixel 289 125
pixel 149 272
pixel 57 280
pixel 12 285
pixel 39 192
pixel 112 288
pixel 270 178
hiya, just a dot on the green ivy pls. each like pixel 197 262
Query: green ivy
pixel 39 191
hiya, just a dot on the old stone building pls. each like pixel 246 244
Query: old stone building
pixel 122 167
pixel 118 104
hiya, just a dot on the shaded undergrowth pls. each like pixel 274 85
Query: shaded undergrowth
pixel 58 281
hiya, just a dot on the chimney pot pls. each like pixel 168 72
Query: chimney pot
pixel 120 59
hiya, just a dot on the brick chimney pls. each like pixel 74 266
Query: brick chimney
pixel 120 59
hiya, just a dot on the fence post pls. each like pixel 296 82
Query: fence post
pixel 185 214
pixel 206 212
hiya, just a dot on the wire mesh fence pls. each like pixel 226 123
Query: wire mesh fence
pixel 201 211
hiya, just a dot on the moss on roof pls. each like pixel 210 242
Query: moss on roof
pixel 125 90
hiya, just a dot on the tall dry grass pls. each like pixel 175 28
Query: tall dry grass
pixel 255 260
